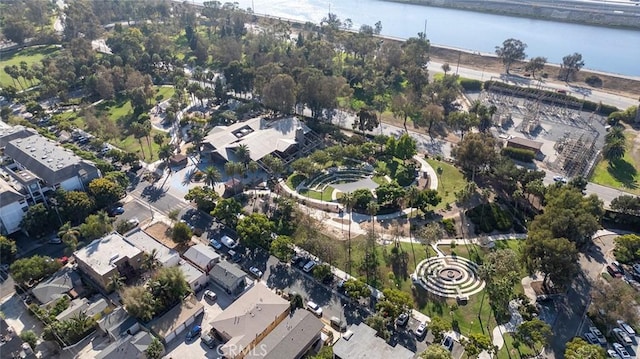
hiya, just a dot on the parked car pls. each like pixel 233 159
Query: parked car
pixel 590 338
pixel 234 256
pixel 622 352
pixel 228 242
pixel 63 260
pixel 613 271
pixel 208 340
pixel 421 330
pixel 612 354
pixel 215 244
pixel 622 336
pixel 133 222
pixel 256 272
pixel 402 320
pixel 209 294
pixel 626 327
pixel 560 179
pixel 194 332
pixel 314 308
pixel 598 334
pixel 55 240
pixel 309 266
pixel 543 298
pixel 447 342
pixel 338 324
pixel 617 266
pixel 116 211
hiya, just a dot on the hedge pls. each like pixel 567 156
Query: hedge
pixel 470 84
pixel 519 154
pixel 489 217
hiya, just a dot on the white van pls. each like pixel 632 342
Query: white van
pixel 228 242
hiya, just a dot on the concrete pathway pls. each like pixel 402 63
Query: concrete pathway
pixel 510 327
pixel 426 167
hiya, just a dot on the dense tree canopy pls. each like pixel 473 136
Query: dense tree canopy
pixel 33 268
pixel 578 348
pixel 627 249
pixel 255 230
pixel 512 50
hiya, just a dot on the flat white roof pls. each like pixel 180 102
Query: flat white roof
pixel 191 273
pixel 103 252
pixel 147 244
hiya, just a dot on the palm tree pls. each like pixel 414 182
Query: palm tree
pixel 242 153
pixel 150 260
pixel 372 209
pixel 158 139
pixel 69 235
pixel 173 215
pixel 614 150
pixel 211 176
pixel 273 165
pixel 116 282
pixel 138 131
pixel 347 201
pixel 615 132
pixel 232 169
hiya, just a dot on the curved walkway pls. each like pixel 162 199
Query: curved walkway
pixel 426 167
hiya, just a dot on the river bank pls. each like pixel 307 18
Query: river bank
pixel 604 15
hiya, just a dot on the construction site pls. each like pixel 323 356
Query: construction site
pixel 567 138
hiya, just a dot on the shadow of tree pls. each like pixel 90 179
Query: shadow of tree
pixel 623 172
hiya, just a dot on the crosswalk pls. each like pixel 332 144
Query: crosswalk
pixel 164 205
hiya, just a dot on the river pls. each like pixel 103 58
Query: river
pixel 603 49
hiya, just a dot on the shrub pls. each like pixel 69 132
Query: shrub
pixel 593 81
pixel 519 154
pixel 29 337
pixel 449 225
pixel 470 84
pixel 489 217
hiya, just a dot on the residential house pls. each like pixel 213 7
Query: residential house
pixel 229 277
pixel 118 324
pixel 92 309
pixel 248 320
pixel 361 342
pixel 106 257
pixel 65 282
pixel 202 256
pixel 130 347
pixel 165 256
pixel 196 278
pixel 292 338
pixel 177 319
pixel 13 206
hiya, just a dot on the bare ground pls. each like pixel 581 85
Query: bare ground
pixel 161 232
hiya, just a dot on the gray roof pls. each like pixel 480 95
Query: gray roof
pixel 140 239
pixel 201 255
pixel 13 132
pixel 261 136
pixel 101 254
pixel 364 344
pixel 131 346
pixel 525 142
pixel 176 316
pixel 56 286
pixel 117 322
pixel 191 273
pixel 49 161
pixel 227 273
pixel 290 337
pixel 8 194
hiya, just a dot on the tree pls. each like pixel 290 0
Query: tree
pixel 29 337
pixel 168 286
pixel 204 197
pixel 438 327
pixel 512 50
pixel 296 301
pixel 96 226
pixel 578 348
pixel 356 289
pixel 8 250
pixel 69 236
pixel 154 350
pixel 534 332
pixel 626 204
pixel 139 302
pixel 118 177
pixel 105 192
pixel 322 272
pixel 211 176
pixel 379 323
pixel 627 249
pixel 74 206
pixel 150 260
pixel 282 248
pixel 614 149
pixel 181 233
pixel 446 68
pixel 33 268
pixel 476 152
pixel 227 211
pixel 280 93
pixel 366 120
pixel 38 220
pixel 535 64
pixel 426 198
pixel 17 29
pixel 435 351
pixel 430 234
pixel 255 230
pixel 557 258
pixel 500 271
pixel 614 300
pixel 571 64
pixel 476 344
pixel 394 302
pixel 406 147
pixel 325 353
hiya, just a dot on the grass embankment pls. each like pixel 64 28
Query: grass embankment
pixel 29 56
pixel 623 173
pixel 450 181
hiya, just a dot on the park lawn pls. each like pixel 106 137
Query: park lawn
pixel 379 179
pixel 522 351
pixel 624 174
pixel 164 93
pixel 325 195
pixel 30 56
pixel 131 144
pixel 450 181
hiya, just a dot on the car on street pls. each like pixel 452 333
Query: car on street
pixel 421 330
pixel 612 354
pixel 208 340
pixel 402 320
pixel 116 211
pixel 622 352
pixel 55 240
pixel 613 271
pixel 338 324
pixel 626 327
pixel 309 266
pixel 314 308
pixel 63 260
pixel 215 244
pixel 617 266
pixel 256 272
pixel 590 338
pixel 598 334
pixel 194 333
pixel 447 343
pixel 234 256
pixel 210 295
pixel 228 242
pixel 622 336
pixel 133 222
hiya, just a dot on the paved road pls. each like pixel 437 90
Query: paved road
pixel 157 196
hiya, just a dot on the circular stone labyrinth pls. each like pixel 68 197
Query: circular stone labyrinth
pixel 449 276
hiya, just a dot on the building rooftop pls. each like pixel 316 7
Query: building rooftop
pixel 10 133
pixel 176 316
pixel 144 242
pixel 361 342
pixel 227 273
pixel 201 255
pixel 130 346
pixel 290 337
pixel 526 142
pixel 47 159
pixel 117 323
pixel 249 316
pixel 8 193
pixel 57 285
pixel 190 272
pixel 101 253
pixel 261 136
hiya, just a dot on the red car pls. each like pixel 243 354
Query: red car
pixel 614 271
pixel 64 260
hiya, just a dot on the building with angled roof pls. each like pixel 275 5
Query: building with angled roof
pixel 108 256
pixel 195 277
pixel 361 342
pixel 292 338
pixel 248 320
pixel 130 346
pixel 202 256
pixel 229 277
pixel 13 206
pixel 60 284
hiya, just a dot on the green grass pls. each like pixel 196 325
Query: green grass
pixel 294 180
pixel 522 351
pixel 379 180
pixel 622 174
pixel 325 195
pixel 450 181
pixel 30 56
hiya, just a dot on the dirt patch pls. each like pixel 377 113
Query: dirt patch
pixel 635 146
pixel 161 232
pixel 540 290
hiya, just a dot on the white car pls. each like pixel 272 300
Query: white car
pixel 598 334
pixel 622 352
pixel 559 179
pixel 55 240
pixel 612 354
pixel 133 222
pixel 209 294
pixel 228 242
pixel 591 339
pixel 626 327
pixel 421 330
pixel 309 266
pixel 314 308
pixel 622 336
pixel 255 271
